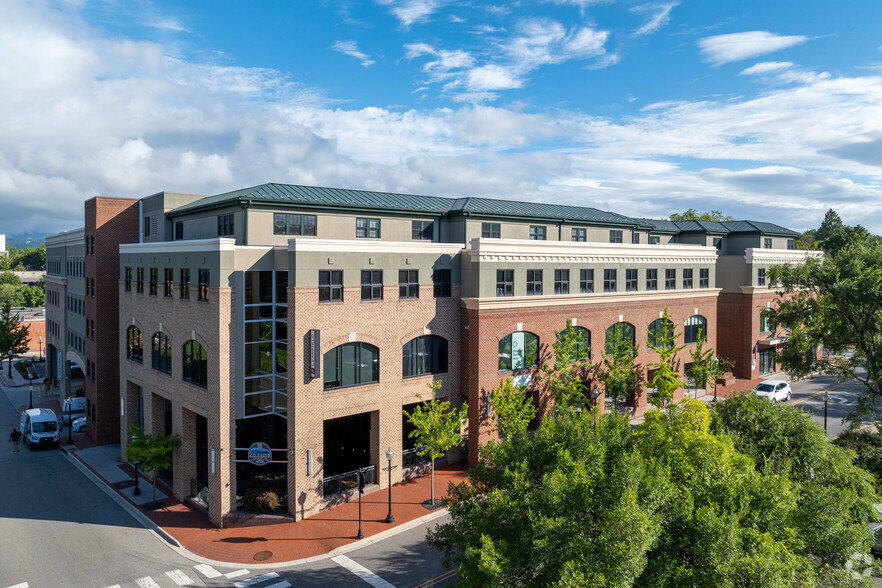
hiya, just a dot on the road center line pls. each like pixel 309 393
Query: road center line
pixel 362 572
pixel 839 385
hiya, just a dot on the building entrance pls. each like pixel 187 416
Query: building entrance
pixel 347 445
pixel 767 361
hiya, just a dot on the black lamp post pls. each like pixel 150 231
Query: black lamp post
pixel 389 455
pixel 30 389
pixel 826 399
pixel 137 490
pixel 69 422
pixel 40 344
pixel 360 492
pixel 10 365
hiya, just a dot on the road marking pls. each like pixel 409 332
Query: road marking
pixel 114 586
pixel 179 577
pixel 207 571
pixel 839 385
pixel 842 400
pixel 362 572
pixel 146 582
pixel 256 580
pixel 236 574
pixel 438 580
pixel 22 585
pixel 282 584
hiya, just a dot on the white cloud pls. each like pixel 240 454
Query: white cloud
pixel 412 11
pixel 661 17
pixel 351 49
pixel 721 49
pixel 766 67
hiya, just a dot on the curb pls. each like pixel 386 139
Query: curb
pixel 173 543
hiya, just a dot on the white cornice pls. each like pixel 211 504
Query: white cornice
pixel 57 280
pixel 72 237
pixel 191 246
pixel 371 246
pixel 779 256
pixel 504 302
pixel 523 250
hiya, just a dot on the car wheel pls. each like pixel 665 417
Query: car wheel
pixel 788 397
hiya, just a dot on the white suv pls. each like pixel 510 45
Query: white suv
pixel 774 390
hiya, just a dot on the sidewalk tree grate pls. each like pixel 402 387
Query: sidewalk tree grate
pixel 263 555
pixel 124 484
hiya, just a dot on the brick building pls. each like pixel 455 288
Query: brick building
pixel 283 330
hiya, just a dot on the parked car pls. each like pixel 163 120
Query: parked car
pixel 39 428
pixel 774 390
pixel 79 425
pixel 73 408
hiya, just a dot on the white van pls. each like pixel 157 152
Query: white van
pixel 39 428
pixel 73 408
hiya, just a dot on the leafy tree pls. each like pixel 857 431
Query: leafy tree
pixel 34 296
pixel 14 334
pixel 152 452
pixel 436 428
pixel 665 379
pixel 565 377
pixel 514 409
pixel 10 278
pixel 834 303
pixel 868 447
pixel 843 237
pixel 618 370
pixel 11 295
pixel 705 366
pixel 830 223
pixel 692 214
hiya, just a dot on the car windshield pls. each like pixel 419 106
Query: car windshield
pixel 765 388
pixel 46 427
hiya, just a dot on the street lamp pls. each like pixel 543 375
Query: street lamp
pixel 69 422
pixel 360 492
pixel 826 399
pixel 137 490
pixel 389 455
pixel 10 365
pixel 30 389
pixel 40 344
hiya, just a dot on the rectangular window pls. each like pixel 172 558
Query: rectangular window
pixel 561 281
pixel 630 280
pixel 766 325
pixel 139 282
pixel 767 243
pixel 704 278
pixel 179 230
pixel 652 279
pixel 294 224
pixel 687 279
pixel 654 239
pixel 586 281
pixel 330 285
pixel 422 230
pixel 185 283
pixel 718 243
pixel 534 282
pixel 169 279
pixel 537 233
pixel 791 244
pixel 408 283
pixel 371 284
pixel 761 276
pixel 670 279
pixel 609 280
pixel 490 230
pixel 580 235
pixel 442 280
pixel 154 281
pixel 635 238
pixel 225 225
pixel 615 236
pixel 203 285
pixel 146 226
pixel 367 228
pixel 505 282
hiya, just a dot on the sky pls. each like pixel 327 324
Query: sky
pixel 762 110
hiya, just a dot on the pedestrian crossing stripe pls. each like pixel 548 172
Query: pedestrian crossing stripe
pixel 179 577
pixel 237 574
pixel 207 571
pixel 282 584
pixel 146 582
pixel 256 580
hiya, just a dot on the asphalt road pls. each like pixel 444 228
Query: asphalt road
pixel 808 395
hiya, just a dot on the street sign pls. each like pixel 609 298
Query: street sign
pixel 259 454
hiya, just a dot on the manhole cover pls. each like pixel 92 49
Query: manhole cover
pixel 263 555
pixel 124 484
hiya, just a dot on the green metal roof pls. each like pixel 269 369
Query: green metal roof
pixel 539 210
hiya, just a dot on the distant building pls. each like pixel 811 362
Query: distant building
pixel 3 251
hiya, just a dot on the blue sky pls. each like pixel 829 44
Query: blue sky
pixel 764 110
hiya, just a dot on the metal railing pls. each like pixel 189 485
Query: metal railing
pixel 199 491
pixel 348 480
pixel 410 458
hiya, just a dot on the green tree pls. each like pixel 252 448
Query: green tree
pixel 513 407
pixel 11 295
pixel 834 303
pixel 151 452
pixel 14 335
pixel 830 223
pixel 10 278
pixel 844 237
pixel 565 378
pixel 692 214
pixel 665 379
pixel 618 370
pixel 867 445
pixel 706 368
pixel 437 428
pixel 34 296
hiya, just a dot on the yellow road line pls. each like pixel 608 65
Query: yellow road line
pixel 839 385
pixel 439 579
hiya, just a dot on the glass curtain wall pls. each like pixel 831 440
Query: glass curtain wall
pixel 266 343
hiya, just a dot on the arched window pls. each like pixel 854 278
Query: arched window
pixel 583 353
pixel 518 351
pixel 351 364
pixel 624 330
pixel 162 353
pixel 195 363
pixel 134 344
pixel 657 333
pixel 694 324
pixel 424 355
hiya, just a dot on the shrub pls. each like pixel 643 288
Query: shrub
pixel 266 494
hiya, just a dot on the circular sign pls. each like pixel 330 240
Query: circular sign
pixel 259 454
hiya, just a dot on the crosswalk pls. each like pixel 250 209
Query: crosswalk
pixel 196 577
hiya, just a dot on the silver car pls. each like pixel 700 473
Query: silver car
pixel 774 390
